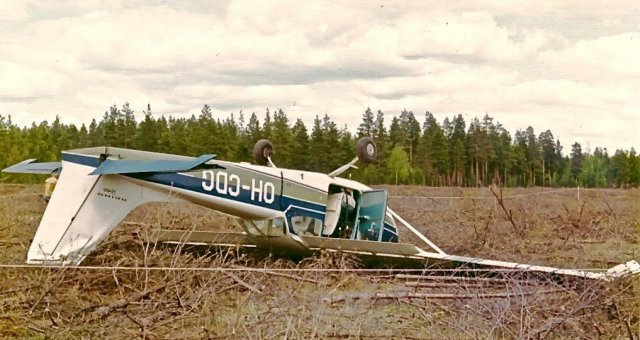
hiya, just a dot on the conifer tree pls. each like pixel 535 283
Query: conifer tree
pixel 127 124
pixel 331 148
pixel 367 127
pixel 300 147
pixel 380 136
pixel 425 152
pixel 266 125
pixel 254 133
pixel 316 145
pixel 282 139
pixel 147 135
pixel 576 160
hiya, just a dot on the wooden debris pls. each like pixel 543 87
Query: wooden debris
pixel 457 278
pixel 103 311
pixel 290 276
pixel 239 281
pixel 443 285
pixel 408 295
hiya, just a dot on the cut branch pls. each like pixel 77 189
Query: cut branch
pixel 103 311
pixel 395 296
pixel 507 212
pixel 243 283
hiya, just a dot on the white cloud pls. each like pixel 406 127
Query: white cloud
pixel 517 63
pixel 618 54
pixel 13 11
pixel 22 82
pixel 469 33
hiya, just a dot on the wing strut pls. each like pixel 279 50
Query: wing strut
pixel 416 232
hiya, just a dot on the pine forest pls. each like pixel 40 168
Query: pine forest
pixel 413 148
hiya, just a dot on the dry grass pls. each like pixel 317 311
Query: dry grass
pixel 554 229
pixel 552 226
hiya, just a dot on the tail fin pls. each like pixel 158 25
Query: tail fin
pixel 82 211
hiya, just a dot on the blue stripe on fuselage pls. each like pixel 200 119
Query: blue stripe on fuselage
pixel 195 184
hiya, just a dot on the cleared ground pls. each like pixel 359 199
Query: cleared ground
pixel 279 298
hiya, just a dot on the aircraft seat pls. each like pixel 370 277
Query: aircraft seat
pixel 334 202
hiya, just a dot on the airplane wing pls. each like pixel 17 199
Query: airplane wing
pixel 379 250
pixel 131 166
pixel 197 238
pixel 31 167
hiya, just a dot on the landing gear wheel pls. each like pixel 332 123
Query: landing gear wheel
pixel 262 151
pixel 366 150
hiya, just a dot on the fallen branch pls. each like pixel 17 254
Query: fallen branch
pixel 290 276
pixel 11 242
pixel 592 241
pixel 143 324
pixel 220 291
pixel 103 311
pixel 21 289
pixel 457 278
pixel 442 285
pixel 625 323
pixel 243 283
pixel 395 296
pixel 36 329
pixel 293 277
pixel 135 224
pixel 551 324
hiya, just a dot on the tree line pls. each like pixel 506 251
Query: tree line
pixel 451 153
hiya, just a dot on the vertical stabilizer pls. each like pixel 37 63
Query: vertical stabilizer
pixel 82 211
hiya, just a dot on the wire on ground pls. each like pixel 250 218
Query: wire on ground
pixel 259 270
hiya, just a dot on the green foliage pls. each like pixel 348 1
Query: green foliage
pixel 446 154
pixel 593 171
pixel 398 165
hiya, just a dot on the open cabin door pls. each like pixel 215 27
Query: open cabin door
pixel 371 209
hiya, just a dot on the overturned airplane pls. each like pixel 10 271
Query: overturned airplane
pixel 284 210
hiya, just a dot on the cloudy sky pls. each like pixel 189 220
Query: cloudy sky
pixel 569 66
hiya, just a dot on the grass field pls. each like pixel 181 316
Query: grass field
pixel 279 298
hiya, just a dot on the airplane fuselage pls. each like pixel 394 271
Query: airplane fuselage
pixel 98 187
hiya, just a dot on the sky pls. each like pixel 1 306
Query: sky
pixel 569 66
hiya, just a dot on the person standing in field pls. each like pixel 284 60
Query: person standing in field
pixel 49 185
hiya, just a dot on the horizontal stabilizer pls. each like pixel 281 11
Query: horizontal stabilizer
pixel 30 167
pixel 132 166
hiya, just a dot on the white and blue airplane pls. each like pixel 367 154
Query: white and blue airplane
pixel 281 210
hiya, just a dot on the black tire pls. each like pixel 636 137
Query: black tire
pixel 262 151
pixel 366 150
